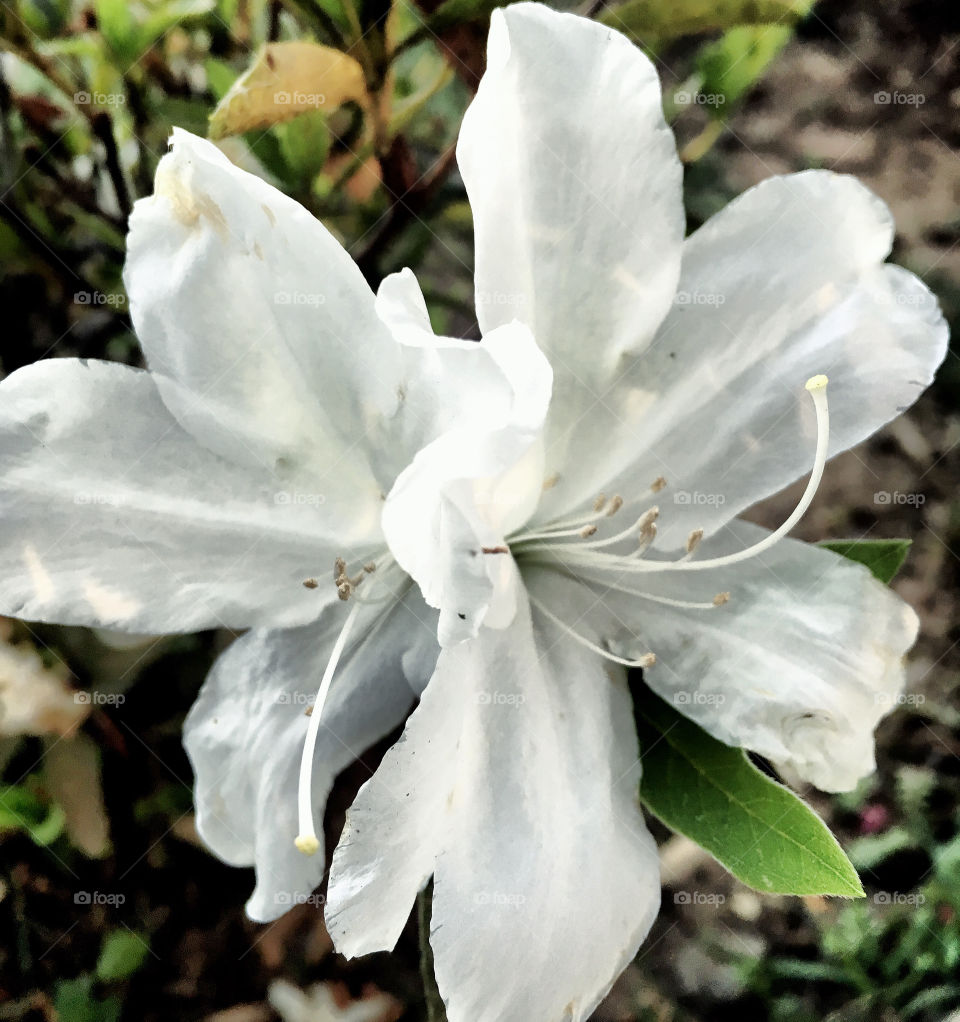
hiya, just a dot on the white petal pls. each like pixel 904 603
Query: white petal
pixel 785 283
pixel 575 186
pixel 800 665
pixel 261 321
pixel 245 734
pixel 481 477
pixel 114 516
pixel 515 783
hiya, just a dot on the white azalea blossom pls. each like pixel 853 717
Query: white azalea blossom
pixel 563 494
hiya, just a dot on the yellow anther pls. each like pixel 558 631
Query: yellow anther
pixel 307 844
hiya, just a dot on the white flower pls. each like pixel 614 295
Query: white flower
pixel 240 482
pixel 679 369
pixel 289 419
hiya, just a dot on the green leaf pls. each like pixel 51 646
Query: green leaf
pixel 116 24
pixel 758 829
pixel 74 1002
pixel 884 557
pixel 731 66
pixel 304 145
pixel 652 21
pixel 122 954
pixel 21 809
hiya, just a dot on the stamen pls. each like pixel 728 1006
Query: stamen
pixel 600 503
pixel 640 525
pixel 587 555
pixel 587 531
pixel 345 585
pixel 647 660
pixel 817 388
pixel 658 484
pixel 693 541
pixel 667 601
pixel 310 583
pixel 307 841
pixel 615 506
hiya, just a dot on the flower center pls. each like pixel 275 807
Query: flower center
pixel 569 544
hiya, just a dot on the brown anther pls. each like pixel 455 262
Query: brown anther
pixel 693 540
pixel 370 568
pixel 615 506
pixel 495 549
pixel 344 589
pixel 587 531
pixel 551 481
pixel 648 533
pixel 647 660
pixel 646 520
pixel 658 484
pixel 600 503
pixel 310 583
pixel 720 599
pixel 308 712
pixel 339 569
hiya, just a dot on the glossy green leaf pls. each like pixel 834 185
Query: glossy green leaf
pixel 884 557
pixel 758 829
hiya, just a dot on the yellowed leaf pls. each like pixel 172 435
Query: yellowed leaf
pixel 284 80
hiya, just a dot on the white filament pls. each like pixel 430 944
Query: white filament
pixel 588 556
pixel 307 841
pixel 646 660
